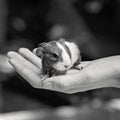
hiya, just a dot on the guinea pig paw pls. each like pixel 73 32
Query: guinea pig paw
pixel 79 67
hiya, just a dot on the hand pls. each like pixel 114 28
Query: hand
pixel 99 73
pixel 5 67
pixel 28 65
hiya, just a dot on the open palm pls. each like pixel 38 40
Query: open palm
pixel 95 74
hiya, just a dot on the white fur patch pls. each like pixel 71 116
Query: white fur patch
pixel 67 60
pixel 65 56
pixel 74 51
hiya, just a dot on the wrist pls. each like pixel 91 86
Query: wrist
pixel 109 76
pixel 115 73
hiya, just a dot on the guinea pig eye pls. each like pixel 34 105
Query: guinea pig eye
pixel 52 57
pixel 55 56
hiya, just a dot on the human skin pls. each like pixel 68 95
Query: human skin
pixel 103 72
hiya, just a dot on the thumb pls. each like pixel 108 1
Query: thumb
pixel 64 82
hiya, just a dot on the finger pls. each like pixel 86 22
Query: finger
pixel 31 57
pixel 26 73
pixel 69 90
pixel 34 50
pixel 23 61
pixel 67 81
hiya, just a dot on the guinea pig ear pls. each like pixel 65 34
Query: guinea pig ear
pixel 42 44
pixel 39 52
pixel 61 41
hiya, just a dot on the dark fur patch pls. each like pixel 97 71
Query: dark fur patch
pixel 62 42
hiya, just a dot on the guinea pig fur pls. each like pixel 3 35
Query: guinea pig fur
pixel 58 56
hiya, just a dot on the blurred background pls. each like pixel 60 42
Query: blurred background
pixel 93 24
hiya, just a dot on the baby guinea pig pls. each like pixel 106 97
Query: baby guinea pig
pixel 58 57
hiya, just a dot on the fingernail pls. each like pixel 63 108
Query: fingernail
pixel 48 85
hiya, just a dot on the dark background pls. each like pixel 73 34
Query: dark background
pixel 93 24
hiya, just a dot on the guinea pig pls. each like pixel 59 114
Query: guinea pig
pixel 58 57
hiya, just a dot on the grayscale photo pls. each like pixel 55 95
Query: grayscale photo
pixel 59 59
